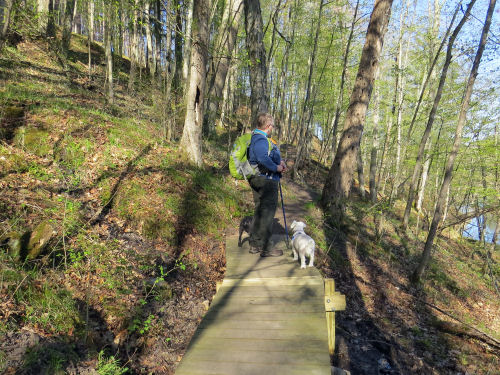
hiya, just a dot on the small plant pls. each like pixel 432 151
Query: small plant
pixel 109 365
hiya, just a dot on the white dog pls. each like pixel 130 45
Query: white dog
pixel 302 244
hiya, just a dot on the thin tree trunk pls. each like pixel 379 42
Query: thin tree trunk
pixel 134 46
pixel 158 43
pixel 432 115
pixel 423 178
pixel 191 136
pixel 67 22
pixel 188 39
pixel 177 82
pixel 43 12
pixel 220 64
pixel 257 58
pixel 150 65
pixel 338 184
pixel 90 37
pixel 340 101
pixel 417 274
pixel 109 56
pixel 361 173
pixel 305 119
pixel 374 150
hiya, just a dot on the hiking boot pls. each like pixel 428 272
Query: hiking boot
pixel 254 249
pixel 272 253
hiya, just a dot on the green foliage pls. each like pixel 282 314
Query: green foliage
pixel 109 365
pixel 49 358
pixel 33 140
pixel 50 307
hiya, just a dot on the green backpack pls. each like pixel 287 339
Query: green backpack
pixel 239 166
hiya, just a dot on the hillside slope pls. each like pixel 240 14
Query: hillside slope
pixel 133 242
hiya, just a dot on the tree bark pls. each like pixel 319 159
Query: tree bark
pixel 42 9
pixel 257 58
pixel 191 136
pixel 361 173
pixel 417 274
pixel 187 41
pixel 432 115
pixel 67 23
pixel 90 39
pixel 158 42
pixel 225 45
pixel 177 82
pixel 374 150
pixel 340 101
pixel 134 47
pixel 109 56
pixel 304 122
pixel 150 63
pixel 338 184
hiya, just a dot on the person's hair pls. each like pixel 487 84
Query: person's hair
pixel 263 120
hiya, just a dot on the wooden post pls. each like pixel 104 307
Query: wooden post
pixel 334 301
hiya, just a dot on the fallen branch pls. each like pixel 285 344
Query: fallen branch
pixel 494 340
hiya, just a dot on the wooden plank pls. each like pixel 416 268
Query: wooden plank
pixel 335 302
pixel 295 346
pixel 268 308
pixel 290 299
pixel 272 281
pixel 266 316
pixel 315 326
pixel 298 333
pixel 241 368
pixel 251 356
pixel 275 291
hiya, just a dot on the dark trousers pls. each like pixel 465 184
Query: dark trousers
pixel 265 196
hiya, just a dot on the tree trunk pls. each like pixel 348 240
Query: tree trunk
pixel 225 45
pixel 338 184
pixel 150 65
pixel 423 178
pixel 158 42
pixel 430 121
pixel 42 10
pixel 109 56
pixel 90 37
pixel 361 174
pixel 374 150
pixel 4 26
pixel 417 274
pixel 305 120
pixel 340 101
pixel 134 46
pixel 67 23
pixel 257 58
pixel 188 39
pixel 191 136
pixel 177 82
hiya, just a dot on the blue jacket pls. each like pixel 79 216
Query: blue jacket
pixel 259 154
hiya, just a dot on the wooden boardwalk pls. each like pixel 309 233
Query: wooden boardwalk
pixel 267 318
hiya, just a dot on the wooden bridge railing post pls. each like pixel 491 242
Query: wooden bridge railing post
pixel 334 301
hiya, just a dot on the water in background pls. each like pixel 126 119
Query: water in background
pixel 471 230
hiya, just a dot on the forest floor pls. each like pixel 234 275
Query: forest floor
pixel 139 237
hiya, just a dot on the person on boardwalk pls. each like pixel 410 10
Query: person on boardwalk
pixel 264 185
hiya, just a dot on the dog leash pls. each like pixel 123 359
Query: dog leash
pixel 284 217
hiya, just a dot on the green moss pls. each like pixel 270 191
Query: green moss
pixel 34 140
